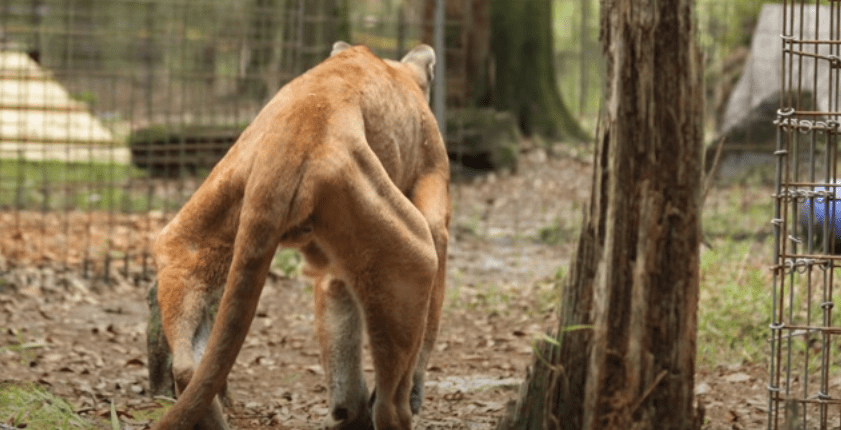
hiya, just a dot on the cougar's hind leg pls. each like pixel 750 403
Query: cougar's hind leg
pixel 395 316
pixel 430 334
pixel 431 196
pixel 339 330
pixel 383 245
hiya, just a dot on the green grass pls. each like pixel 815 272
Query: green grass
pixel 738 213
pixel 31 406
pixel 152 413
pixel 564 229
pixel 22 348
pixel 288 261
pixel 58 185
pixel 735 307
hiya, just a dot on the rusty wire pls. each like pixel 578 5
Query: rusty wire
pixel 803 325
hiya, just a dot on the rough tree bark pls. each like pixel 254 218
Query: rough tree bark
pixel 634 280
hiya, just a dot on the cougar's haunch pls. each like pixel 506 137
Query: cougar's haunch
pixel 346 165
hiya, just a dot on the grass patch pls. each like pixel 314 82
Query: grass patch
pixel 288 261
pixel 562 230
pixel 738 213
pixel 58 185
pixel 153 412
pixel 735 306
pixel 473 226
pixel 31 406
pixel 23 349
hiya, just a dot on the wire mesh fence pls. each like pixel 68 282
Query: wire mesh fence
pixel 112 111
pixel 805 383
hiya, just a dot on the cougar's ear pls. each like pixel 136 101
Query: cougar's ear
pixel 339 47
pixel 422 57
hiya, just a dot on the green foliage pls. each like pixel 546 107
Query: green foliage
pixel 551 234
pixel 288 261
pixel 526 80
pixel 57 185
pixel 723 27
pixel 571 51
pixel 30 406
pixel 473 226
pixel 88 97
pixel 167 133
pixel 115 421
pixel 563 230
pixel 726 25
pixel 560 275
pixel 735 307
pixel 22 348
pixel 739 213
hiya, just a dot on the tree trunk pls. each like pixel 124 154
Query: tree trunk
pixel 324 22
pixel 585 62
pixel 288 37
pixel 634 280
pixel 522 48
pixel 499 55
pixel 468 56
pixel 261 43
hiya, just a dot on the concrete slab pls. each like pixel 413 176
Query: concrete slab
pixel 763 72
pixel 40 121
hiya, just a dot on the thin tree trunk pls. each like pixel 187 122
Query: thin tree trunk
pixel 263 25
pixel 500 55
pixel 584 35
pixel 634 280
pixel 522 47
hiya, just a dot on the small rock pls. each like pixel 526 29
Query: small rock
pixel 737 377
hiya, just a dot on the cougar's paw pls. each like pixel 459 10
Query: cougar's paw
pixel 341 418
pixel 415 399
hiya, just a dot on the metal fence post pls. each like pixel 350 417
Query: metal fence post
pixel 440 94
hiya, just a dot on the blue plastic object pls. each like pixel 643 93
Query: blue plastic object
pixel 821 206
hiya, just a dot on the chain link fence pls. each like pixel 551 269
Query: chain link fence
pixel 112 111
pixel 804 363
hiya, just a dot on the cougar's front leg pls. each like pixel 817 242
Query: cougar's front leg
pixel 186 324
pixel 186 291
pixel 339 329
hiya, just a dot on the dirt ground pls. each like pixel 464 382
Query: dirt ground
pixel 87 342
